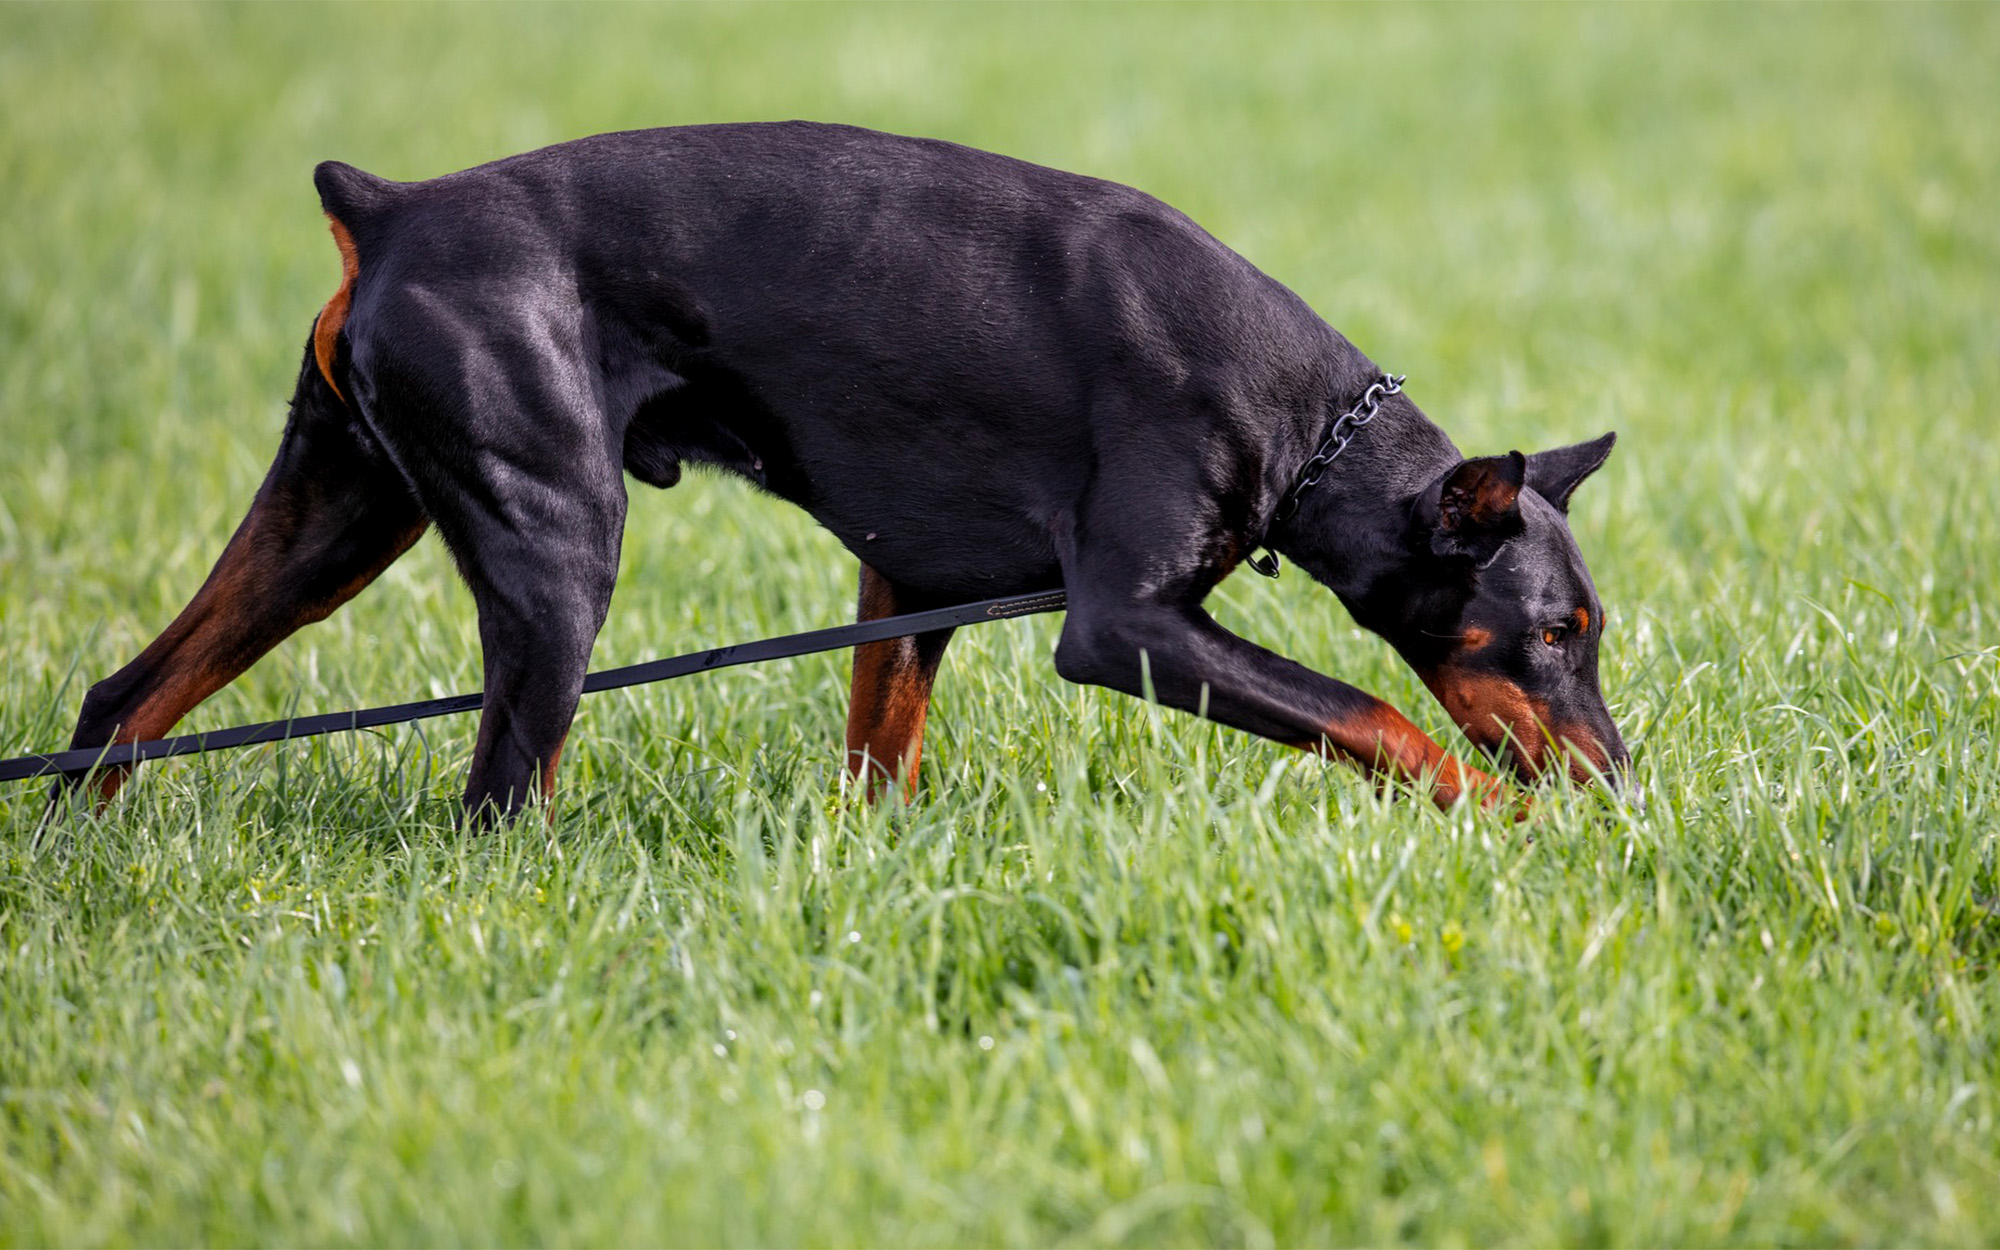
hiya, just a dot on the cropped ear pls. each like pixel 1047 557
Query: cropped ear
pixel 1554 475
pixel 1476 507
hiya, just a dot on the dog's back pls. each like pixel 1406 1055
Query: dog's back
pixel 877 328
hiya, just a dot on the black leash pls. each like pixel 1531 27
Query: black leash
pixel 78 762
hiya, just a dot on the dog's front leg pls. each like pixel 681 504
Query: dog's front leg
pixel 891 694
pixel 1195 665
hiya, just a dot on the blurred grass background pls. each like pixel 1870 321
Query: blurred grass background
pixel 1117 977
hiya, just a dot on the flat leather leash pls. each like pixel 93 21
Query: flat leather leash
pixel 77 762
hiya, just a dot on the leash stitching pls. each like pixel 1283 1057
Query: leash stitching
pixel 1027 607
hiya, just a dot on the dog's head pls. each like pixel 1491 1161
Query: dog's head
pixel 1501 619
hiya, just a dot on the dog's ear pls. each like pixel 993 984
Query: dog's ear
pixel 1476 507
pixel 1554 475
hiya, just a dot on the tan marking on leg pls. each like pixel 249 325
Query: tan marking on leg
pixel 229 624
pixel 1385 743
pixel 548 780
pixel 889 698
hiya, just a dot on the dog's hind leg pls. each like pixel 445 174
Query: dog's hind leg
pixel 333 512
pixel 497 417
pixel 891 694
pixel 541 568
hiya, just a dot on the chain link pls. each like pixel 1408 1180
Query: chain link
pixel 1336 441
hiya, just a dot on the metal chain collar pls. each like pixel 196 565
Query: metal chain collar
pixel 1336 441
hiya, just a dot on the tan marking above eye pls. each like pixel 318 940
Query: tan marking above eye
pixel 1582 618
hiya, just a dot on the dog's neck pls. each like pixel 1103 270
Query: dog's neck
pixel 1349 531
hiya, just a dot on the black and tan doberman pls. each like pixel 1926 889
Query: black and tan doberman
pixel 984 377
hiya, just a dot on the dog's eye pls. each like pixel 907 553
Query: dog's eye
pixel 1553 634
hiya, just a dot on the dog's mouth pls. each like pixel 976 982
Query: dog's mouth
pixel 1536 753
pixel 1519 732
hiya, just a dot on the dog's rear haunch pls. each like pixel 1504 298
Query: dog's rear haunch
pixel 983 376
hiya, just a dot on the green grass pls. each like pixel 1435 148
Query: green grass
pixel 1117 976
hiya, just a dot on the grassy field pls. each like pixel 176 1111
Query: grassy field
pixel 1117 976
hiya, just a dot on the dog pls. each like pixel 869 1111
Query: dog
pixel 984 377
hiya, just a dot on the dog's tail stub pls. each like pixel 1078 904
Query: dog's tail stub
pixel 349 194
